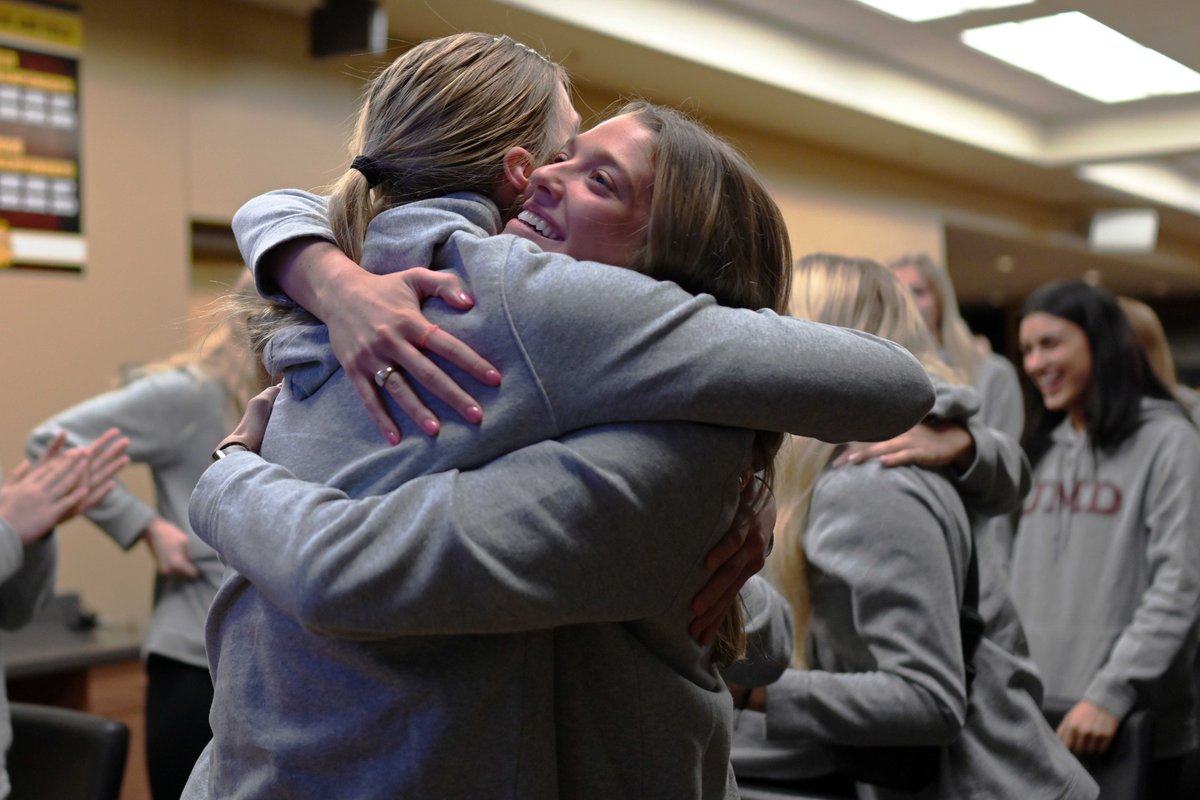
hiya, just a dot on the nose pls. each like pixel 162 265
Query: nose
pixel 1032 360
pixel 547 178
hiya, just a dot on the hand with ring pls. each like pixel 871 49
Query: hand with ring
pixel 378 333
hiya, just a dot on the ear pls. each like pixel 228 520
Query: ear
pixel 518 165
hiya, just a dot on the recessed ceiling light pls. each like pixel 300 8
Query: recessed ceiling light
pixel 1085 56
pixel 923 10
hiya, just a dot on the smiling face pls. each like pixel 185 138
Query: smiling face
pixel 1057 358
pixel 593 201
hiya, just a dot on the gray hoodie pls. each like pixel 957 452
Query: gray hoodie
pixel 388 624
pixel 1106 571
pixel 173 418
pixel 26 583
pixel 888 550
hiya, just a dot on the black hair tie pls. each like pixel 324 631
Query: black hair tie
pixel 369 169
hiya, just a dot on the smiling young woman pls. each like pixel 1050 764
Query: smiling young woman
pixel 1106 567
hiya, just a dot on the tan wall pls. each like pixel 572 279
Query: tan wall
pixel 189 107
pixel 192 106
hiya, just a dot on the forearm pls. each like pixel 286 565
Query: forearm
pixel 272 221
pixel 671 355
pixel 516 545
pixel 998 477
pixel 1147 647
pixel 862 708
pixel 314 273
pixel 1166 612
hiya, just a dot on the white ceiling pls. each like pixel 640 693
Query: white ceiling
pixel 841 75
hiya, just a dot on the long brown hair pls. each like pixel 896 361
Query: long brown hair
pixel 715 229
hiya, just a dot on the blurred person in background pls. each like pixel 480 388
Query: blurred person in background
pixel 173 412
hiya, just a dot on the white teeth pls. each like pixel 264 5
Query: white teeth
pixel 538 224
pixel 1048 381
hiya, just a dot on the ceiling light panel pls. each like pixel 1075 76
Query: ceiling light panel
pixel 924 10
pixel 1085 56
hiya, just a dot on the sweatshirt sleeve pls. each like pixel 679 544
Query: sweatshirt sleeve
pixel 876 536
pixel 999 478
pixel 1167 610
pixel 608 524
pixel 654 351
pixel 26 576
pixel 770 637
pixel 155 412
pixel 1003 406
pixel 272 219
pixel 665 353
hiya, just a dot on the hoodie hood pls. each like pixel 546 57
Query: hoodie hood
pixel 397 239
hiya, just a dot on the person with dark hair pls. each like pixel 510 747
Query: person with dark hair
pixel 1106 567
pixel 875 563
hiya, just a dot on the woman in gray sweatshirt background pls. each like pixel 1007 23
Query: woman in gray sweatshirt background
pixel 1106 566
pixel 874 563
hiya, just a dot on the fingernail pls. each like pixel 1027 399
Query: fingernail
pixel 465 298
pixel 393 438
pixel 473 414
pixel 430 426
pixel 492 377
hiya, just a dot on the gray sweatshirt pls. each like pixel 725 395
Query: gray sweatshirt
pixel 583 552
pixel 888 550
pixel 26 583
pixel 1106 571
pixel 1002 410
pixel 173 419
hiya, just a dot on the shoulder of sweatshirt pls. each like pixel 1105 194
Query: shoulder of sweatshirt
pixel 1166 428
pixel 866 497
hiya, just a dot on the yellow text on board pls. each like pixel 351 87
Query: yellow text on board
pixel 35 23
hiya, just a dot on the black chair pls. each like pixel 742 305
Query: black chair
pixel 1123 772
pixel 60 754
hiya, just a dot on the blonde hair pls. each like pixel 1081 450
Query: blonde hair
pixel 1151 338
pixel 956 340
pixel 226 353
pixel 850 293
pixel 440 118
